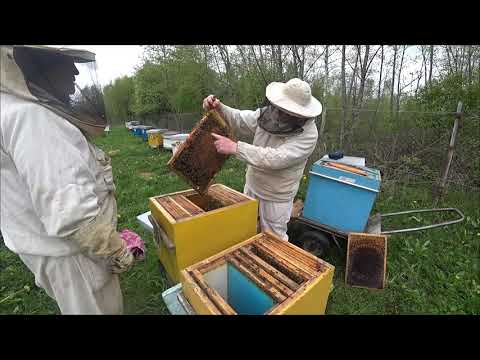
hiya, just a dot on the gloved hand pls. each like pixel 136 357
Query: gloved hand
pixel 121 260
pixel 100 238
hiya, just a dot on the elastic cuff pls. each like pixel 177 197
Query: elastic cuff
pixel 240 154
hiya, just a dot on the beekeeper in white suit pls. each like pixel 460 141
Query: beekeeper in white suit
pixel 58 210
pixel 284 136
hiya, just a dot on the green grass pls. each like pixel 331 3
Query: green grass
pixel 428 272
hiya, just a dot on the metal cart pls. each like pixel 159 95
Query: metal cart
pixel 318 238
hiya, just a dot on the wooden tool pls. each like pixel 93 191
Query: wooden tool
pixel 347 168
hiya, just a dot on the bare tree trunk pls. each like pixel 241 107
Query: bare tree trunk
pixel 399 78
pixel 450 69
pixel 380 78
pixel 424 65
pixel 379 91
pixel 262 59
pixel 358 101
pixel 344 98
pixel 469 64
pixel 252 50
pixel 420 76
pixel 295 61
pixel 302 63
pixel 363 74
pixel 431 66
pixel 354 74
pixel 225 56
pixel 272 57
pixel 246 60
pixel 393 77
pixel 279 61
pixel 325 85
pixel 462 63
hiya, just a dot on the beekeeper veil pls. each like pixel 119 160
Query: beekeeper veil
pixel 61 79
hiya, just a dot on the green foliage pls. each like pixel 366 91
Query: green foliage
pixel 150 90
pixel 443 95
pixel 251 89
pixel 175 84
pixel 119 99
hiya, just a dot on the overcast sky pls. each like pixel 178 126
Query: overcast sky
pixel 113 61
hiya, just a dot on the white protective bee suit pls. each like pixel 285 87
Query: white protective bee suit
pixel 58 209
pixel 276 161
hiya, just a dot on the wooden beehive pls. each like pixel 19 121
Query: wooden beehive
pixel 366 260
pixel 197 160
pixel 194 227
pixel 262 275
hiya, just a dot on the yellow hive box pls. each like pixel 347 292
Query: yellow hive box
pixel 263 275
pixel 155 139
pixel 190 227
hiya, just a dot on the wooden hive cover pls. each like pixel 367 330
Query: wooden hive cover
pixel 366 260
pixel 180 207
pixel 197 159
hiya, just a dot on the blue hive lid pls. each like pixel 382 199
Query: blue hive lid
pixel 369 182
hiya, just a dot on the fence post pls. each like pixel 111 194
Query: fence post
pixel 439 188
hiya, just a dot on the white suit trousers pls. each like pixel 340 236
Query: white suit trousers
pixel 77 283
pixel 273 215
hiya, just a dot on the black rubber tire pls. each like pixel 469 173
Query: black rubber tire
pixel 315 242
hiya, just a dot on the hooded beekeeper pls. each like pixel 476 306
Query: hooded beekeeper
pixel 284 136
pixel 58 207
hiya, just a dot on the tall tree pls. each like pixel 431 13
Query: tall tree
pixel 325 85
pixel 354 74
pixel 392 87
pixel 431 65
pixel 344 97
pixel 399 90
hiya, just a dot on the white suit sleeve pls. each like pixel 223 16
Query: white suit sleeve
pixel 243 122
pixel 51 157
pixel 295 150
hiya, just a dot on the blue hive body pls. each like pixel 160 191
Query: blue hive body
pixel 341 199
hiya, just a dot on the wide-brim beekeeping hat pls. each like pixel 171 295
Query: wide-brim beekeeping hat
pixel 86 108
pixel 295 97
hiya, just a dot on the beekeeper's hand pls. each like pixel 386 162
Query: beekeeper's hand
pixel 121 260
pixel 224 145
pixel 99 238
pixel 211 102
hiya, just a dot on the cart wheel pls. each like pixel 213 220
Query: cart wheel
pixel 315 242
pixel 294 228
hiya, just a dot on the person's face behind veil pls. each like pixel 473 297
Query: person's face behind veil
pixel 60 75
pixel 52 72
